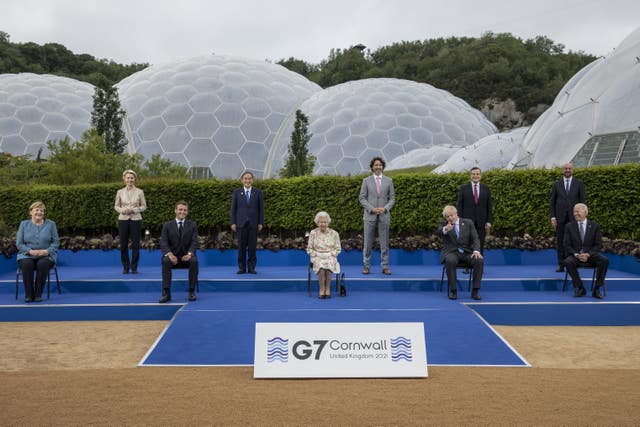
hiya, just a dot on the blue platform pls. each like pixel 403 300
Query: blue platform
pixel 518 288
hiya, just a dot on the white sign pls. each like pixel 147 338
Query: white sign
pixel 339 350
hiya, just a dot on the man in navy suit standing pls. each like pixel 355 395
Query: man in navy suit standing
pixel 565 194
pixel 178 244
pixel 583 245
pixel 475 203
pixel 247 218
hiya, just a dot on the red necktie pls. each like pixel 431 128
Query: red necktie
pixel 475 193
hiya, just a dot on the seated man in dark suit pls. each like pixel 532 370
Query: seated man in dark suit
pixel 583 244
pixel 178 243
pixel 460 242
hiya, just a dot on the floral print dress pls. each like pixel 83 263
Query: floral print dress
pixel 323 248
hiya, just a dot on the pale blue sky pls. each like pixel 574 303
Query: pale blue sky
pixel 159 31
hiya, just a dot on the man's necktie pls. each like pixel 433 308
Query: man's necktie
pixel 378 184
pixel 180 228
pixel 582 231
pixel 566 186
pixel 456 227
pixel 248 195
pixel 475 193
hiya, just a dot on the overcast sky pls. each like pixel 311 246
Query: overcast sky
pixel 158 31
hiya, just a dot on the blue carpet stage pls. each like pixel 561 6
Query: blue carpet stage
pixel 519 288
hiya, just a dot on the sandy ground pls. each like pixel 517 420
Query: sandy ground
pixel 85 373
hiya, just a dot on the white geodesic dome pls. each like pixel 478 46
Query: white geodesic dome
pixel 356 121
pixel 36 108
pixel 595 119
pixel 491 152
pixel 430 156
pixel 217 113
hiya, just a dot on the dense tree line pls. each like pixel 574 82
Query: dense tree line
pixel 501 66
pixel 54 58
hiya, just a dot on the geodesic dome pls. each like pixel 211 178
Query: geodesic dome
pixel 215 113
pixel 491 152
pixel 595 118
pixel 36 108
pixel 423 157
pixel 356 121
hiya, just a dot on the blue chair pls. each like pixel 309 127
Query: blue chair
pixel 53 269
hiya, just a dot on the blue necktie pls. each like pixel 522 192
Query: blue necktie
pixel 457 229
pixel 247 193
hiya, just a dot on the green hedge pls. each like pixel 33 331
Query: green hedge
pixel 521 202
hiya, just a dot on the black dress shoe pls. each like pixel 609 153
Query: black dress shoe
pixel 475 295
pixel 579 292
pixel 165 298
pixel 240 272
pixel 252 271
pixel 596 293
pixel 327 296
pixel 453 294
pixel 125 271
pixel 28 299
pixel 134 271
pixel 560 269
pixel 192 296
pixel 39 299
pixel 321 297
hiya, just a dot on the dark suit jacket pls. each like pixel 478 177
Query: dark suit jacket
pixel 480 213
pixel 592 239
pixel 468 239
pixel 247 214
pixel 171 242
pixel 561 205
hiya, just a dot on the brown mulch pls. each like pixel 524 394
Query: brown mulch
pixel 84 373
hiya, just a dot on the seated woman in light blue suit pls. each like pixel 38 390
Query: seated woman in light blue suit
pixel 37 244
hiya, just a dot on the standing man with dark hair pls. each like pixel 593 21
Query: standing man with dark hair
pixel 178 244
pixel 247 218
pixel 583 246
pixel 475 203
pixel 565 194
pixel 377 197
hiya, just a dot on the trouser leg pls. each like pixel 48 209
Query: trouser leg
pixel 369 237
pixel 450 263
pixel 135 228
pixel 383 236
pixel 27 267
pixel 166 274
pixel 43 265
pixel 123 232
pixel 193 274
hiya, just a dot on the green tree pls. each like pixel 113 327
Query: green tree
pixel 107 116
pixel 159 167
pixel 300 162
pixel 86 161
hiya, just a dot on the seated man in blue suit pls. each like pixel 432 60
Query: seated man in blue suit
pixel 179 243
pixel 247 217
pixel 583 245
pixel 460 242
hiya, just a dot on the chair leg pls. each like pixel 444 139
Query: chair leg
pixel 57 279
pixel 17 282
pixel 564 284
pixel 470 279
pixel 442 279
pixel 49 285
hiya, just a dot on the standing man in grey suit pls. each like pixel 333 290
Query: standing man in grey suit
pixel 247 217
pixel 583 246
pixel 475 203
pixel 460 242
pixel 565 194
pixel 178 244
pixel 377 197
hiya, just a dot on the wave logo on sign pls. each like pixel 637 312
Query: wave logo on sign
pixel 401 349
pixel 277 350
